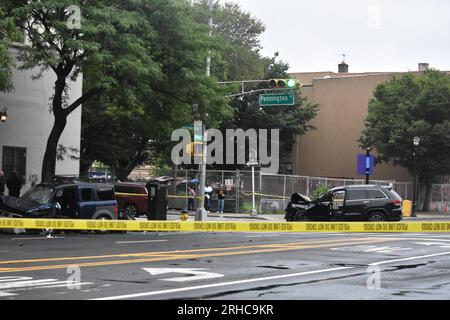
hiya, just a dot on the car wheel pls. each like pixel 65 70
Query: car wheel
pixel 103 217
pixel 376 217
pixel 301 216
pixel 131 210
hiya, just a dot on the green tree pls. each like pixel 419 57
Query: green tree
pixel 8 33
pixel 123 139
pixel 237 57
pixel 55 45
pixel 407 106
pixel 118 48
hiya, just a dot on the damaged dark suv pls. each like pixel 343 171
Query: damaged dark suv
pixel 347 203
pixel 67 200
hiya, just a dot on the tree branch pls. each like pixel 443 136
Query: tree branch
pixel 85 97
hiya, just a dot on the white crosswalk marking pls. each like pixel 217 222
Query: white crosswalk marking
pixel 9 279
pixel 13 283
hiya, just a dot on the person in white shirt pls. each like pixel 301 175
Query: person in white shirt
pixel 208 194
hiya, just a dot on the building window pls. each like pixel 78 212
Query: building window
pixel 14 158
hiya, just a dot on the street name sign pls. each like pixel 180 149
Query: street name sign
pixel 276 99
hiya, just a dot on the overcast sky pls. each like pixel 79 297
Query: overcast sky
pixel 376 35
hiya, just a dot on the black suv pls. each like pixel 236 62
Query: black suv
pixel 347 203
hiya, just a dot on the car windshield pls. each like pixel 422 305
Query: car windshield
pixel 39 194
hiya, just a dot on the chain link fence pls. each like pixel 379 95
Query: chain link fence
pixel 273 191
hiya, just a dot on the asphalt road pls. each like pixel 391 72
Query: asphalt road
pixel 225 266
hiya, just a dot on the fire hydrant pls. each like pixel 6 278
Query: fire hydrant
pixel 184 216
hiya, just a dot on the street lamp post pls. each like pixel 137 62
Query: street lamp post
pixel 253 162
pixel 201 213
pixel 416 141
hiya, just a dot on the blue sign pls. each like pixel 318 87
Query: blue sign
pixel 365 164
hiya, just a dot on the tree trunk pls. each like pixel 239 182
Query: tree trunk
pixel 62 72
pixel 49 162
pixel 122 173
pixel 427 201
pixel 84 167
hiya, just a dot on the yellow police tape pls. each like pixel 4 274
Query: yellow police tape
pixel 146 196
pixel 224 226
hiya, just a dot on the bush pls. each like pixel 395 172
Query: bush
pixel 321 189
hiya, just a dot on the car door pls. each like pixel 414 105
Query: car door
pixel 356 202
pixel 68 199
pixel 337 204
pixel 87 203
pixel 141 198
pixel 321 208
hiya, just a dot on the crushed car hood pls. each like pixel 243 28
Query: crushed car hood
pixel 300 198
pixel 17 204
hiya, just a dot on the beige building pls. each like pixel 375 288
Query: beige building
pixel 331 150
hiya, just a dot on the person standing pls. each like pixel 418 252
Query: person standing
pixel 2 183
pixel 220 200
pixel 14 184
pixel 191 195
pixel 208 194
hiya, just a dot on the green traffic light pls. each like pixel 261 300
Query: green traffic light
pixel 291 83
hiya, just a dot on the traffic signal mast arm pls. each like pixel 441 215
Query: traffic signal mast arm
pixel 274 84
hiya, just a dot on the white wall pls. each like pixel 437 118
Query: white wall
pixel 30 121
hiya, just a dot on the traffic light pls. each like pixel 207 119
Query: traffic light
pixel 193 147
pixel 282 83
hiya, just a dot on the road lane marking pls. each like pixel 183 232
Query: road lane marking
pixel 221 284
pixel 371 249
pixel 191 254
pixel 35 238
pixel 196 273
pixel 140 254
pixel 416 239
pixel 409 258
pixel 264 236
pixel 435 243
pixel 140 241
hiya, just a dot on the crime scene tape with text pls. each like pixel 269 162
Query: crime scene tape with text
pixel 223 226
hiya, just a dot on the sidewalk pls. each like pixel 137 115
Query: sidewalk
pixel 229 216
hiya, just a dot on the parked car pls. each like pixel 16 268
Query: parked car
pixel 132 198
pixel 70 200
pixel 347 203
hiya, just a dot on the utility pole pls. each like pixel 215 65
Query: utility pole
pixel 253 162
pixel 201 213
